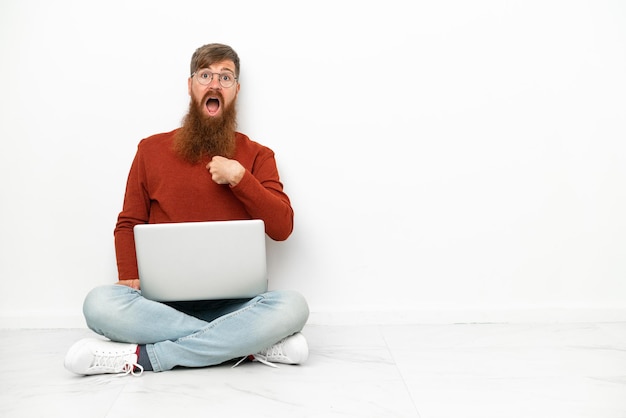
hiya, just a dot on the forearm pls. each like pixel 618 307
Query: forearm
pixel 135 211
pixel 268 202
pixel 125 254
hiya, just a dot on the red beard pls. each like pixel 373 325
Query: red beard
pixel 202 136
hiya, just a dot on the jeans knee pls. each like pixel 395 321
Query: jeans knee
pixel 93 305
pixel 295 306
pixel 99 306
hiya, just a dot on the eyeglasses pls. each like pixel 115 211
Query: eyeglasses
pixel 205 77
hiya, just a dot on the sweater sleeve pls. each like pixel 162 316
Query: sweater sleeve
pixel 261 192
pixel 135 211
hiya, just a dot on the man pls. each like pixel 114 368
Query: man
pixel 203 171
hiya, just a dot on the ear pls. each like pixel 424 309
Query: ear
pixel 189 86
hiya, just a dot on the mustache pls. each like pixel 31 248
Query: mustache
pixel 213 93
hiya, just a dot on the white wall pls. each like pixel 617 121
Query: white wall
pixel 447 160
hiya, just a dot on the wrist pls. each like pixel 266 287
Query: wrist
pixel 237 177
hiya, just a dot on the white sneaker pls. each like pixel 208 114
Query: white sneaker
pixel 291 350
pixel 96 356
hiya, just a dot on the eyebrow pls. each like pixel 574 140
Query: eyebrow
pixel 221 69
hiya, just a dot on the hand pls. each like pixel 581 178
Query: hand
pixel 134 283
pixel 225 171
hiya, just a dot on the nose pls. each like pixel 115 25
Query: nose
pixel 215 82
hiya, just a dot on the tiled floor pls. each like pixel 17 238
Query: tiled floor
pixel 428 371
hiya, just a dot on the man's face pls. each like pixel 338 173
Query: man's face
pixel 213 97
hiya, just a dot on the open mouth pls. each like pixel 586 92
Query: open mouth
pixel 212 105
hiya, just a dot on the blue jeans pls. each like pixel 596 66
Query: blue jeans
pixel 194 334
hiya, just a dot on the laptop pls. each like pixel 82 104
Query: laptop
pixel 201 260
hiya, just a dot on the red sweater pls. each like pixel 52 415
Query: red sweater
pixel 162 187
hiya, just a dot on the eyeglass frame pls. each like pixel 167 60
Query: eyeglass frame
pixel 235 78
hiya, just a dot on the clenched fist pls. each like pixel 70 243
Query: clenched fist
pixel 225 171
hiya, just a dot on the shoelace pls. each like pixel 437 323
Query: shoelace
pixel 119 362
pixel 272 352
pixel 129 368
pixel 256 357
